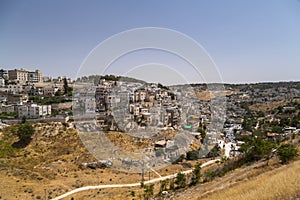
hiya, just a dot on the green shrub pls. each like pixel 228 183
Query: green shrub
pixel 286 153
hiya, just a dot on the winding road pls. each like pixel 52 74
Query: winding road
pixel 130 184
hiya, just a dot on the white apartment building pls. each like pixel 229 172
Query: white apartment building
pixel 35 77
pixel 23 111
pixel 34 110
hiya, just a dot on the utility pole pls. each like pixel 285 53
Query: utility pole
pixel 143 171
pixel 143 175
pixel 45 190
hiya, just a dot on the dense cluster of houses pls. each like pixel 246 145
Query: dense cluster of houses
pixel 18 85
pixel 133 105
pixel 252 94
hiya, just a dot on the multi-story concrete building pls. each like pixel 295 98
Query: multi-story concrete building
pixel 100 98
pixel 22 76
pixel 34 110
pixel 19 75
pixel 50 91
pixel 139 96
pixel 23 111
pixel 90 105
pixel 46 110
pixel 35 77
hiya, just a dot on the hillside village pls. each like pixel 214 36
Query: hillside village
pixel 135 107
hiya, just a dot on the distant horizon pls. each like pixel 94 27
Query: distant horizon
pixel 138 78
pixel 225 83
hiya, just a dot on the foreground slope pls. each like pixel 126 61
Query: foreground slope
pixel 256 181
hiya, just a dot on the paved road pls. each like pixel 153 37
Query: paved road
pixel 129 185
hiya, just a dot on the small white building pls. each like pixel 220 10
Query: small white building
pixel 35 111
pixel 23 111
pixel 46 110
pixel 90 105
pixel 2 82
pixel 7 108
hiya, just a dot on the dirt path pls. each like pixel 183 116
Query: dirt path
pixel 129 185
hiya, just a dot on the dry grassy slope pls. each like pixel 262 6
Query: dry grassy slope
pixel 51 161
pixel 270 105
pixel 208 95
pixel 127 142
pixel 267 106
pixel 282 183
pixel 256 181
pixel 54 152
pixel 50 144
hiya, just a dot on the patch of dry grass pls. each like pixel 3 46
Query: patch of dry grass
pixel 208 95
pixel 267 106
pixel 282 183
pixel 52 162
pixel 126 141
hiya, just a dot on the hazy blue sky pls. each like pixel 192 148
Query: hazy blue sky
pixel 250 41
